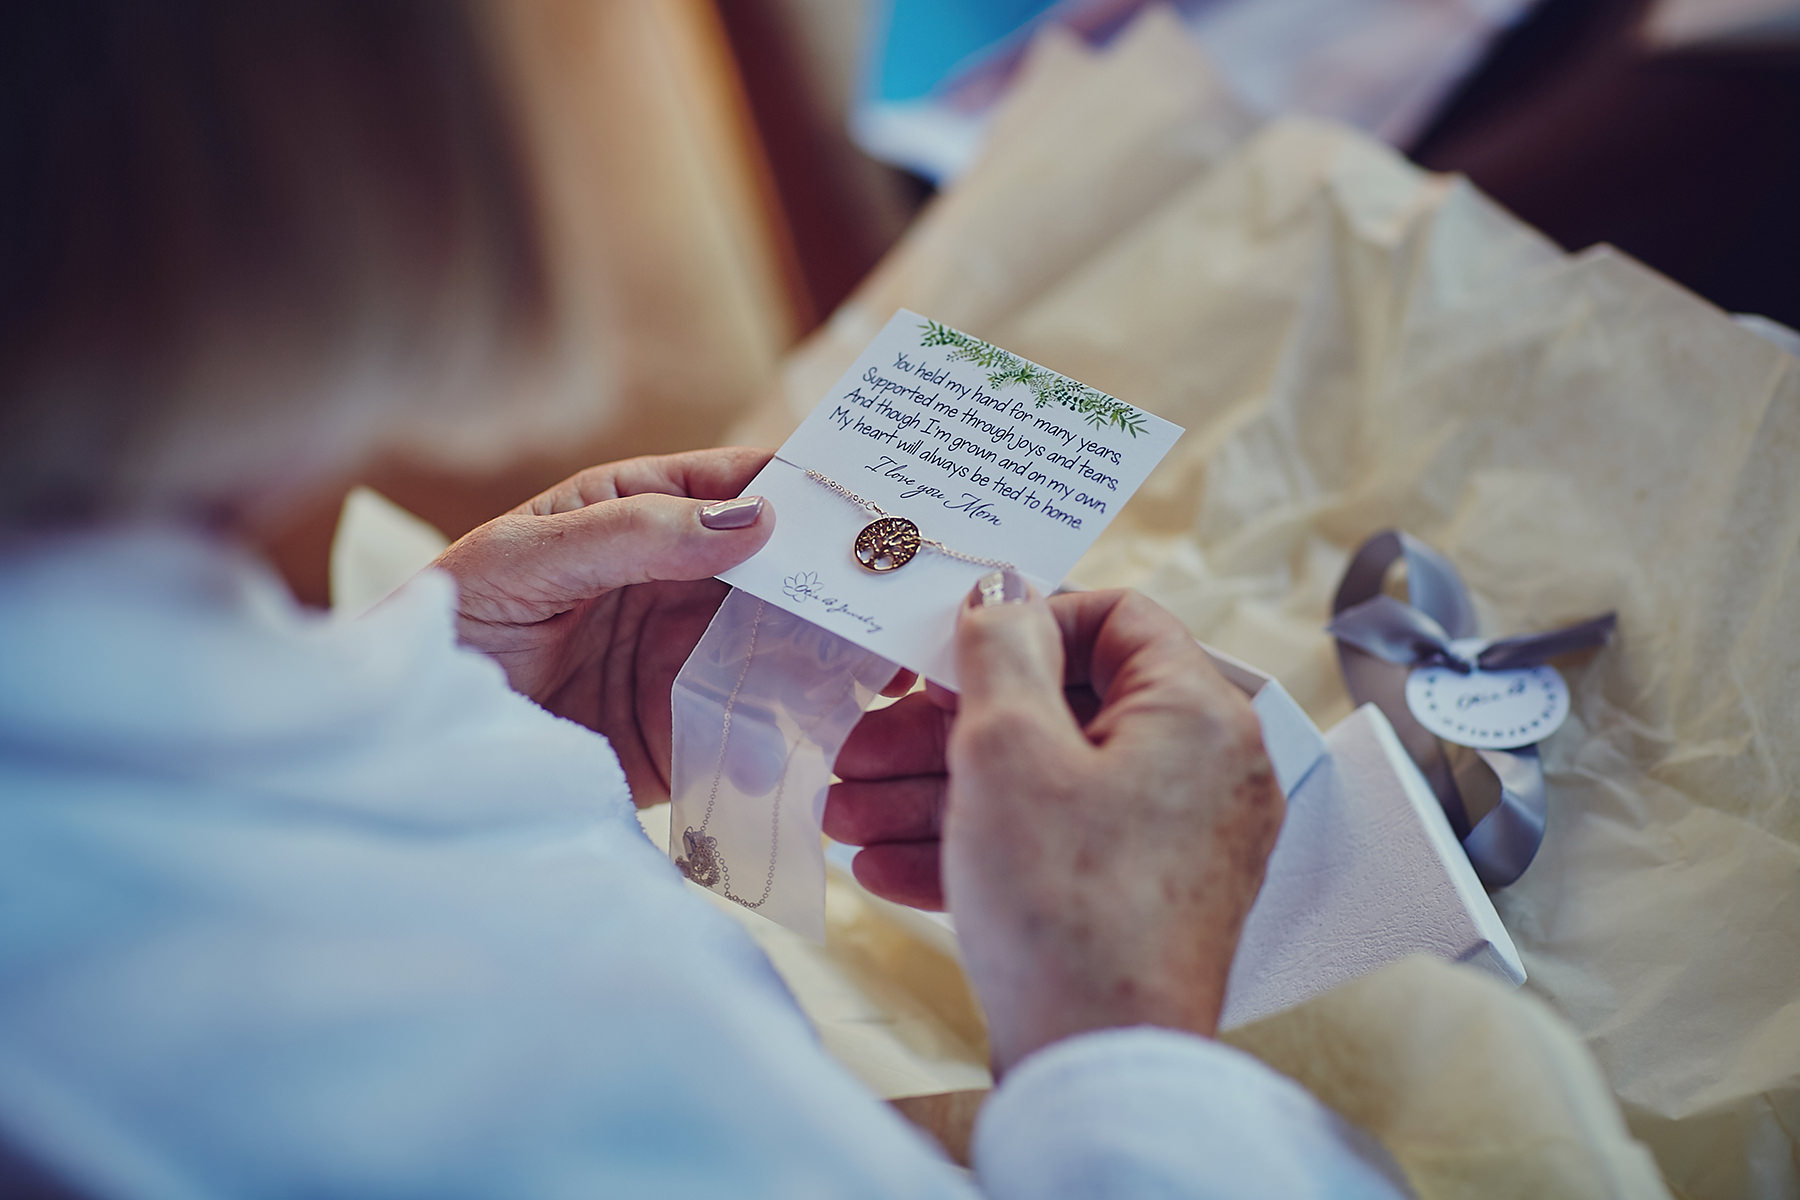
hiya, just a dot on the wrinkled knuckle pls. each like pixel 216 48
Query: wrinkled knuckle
pixel 1220 709
pixel 1237 720
pixel 998 734
pixel 631 516
pixel 1134 603
pixel 1153 621
pixel 989 635
pixel 998 727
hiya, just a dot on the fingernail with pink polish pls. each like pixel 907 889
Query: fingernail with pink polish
pixel 1004 586
pixel 732 514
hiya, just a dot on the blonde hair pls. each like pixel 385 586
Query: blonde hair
pixel 243 245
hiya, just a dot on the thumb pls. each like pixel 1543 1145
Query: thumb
pixel 1009 655
pixel 637 539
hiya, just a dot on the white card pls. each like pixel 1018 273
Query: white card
pixel 994 457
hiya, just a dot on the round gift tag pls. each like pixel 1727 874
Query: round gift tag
pixel 1490 710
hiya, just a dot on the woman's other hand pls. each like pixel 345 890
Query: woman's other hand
pixel 1104 806
pixel 593 594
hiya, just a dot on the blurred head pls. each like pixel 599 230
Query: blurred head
pixel 244 245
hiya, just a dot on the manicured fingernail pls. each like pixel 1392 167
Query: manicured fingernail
pixel 1004 586
pixel 732 514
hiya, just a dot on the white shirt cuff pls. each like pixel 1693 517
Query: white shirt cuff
pixel 1153 1112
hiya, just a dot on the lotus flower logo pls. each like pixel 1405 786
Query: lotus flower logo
pixel 801 585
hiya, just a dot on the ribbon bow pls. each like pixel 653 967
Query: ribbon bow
pixel 1382 640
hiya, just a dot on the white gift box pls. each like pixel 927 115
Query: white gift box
pixel 1366 869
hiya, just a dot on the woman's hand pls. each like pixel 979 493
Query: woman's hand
pixel 593 594
pixel 1097 813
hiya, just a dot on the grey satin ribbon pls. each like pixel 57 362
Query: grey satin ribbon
pixel 1382 640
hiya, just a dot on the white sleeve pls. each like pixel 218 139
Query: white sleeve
pixel 1152 1112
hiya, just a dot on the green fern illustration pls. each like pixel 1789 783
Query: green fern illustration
pixel 1005 368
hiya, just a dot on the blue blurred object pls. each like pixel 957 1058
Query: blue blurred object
pixel 933 69
pixel 919 44
pixel 907 113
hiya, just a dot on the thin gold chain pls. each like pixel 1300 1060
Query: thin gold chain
pixel 712 800
pixel 706 856
pixel 879 511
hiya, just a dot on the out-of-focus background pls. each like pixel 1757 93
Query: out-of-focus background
pixel 1352 342
pixel 747 151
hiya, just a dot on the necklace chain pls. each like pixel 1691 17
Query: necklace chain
pixel 871 506
pixel 703 863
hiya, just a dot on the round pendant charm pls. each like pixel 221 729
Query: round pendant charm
pixel 887 544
